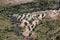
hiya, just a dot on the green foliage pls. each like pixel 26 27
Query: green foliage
pixel 48 4
pixel 35 6
pixel 7 30
pixel 43 29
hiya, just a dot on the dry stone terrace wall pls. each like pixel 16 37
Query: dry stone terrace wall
pixel 31 20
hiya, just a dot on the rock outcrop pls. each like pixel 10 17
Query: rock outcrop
pixel 32 20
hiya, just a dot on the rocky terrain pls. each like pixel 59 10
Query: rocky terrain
pixel 44 25
pixel 28 20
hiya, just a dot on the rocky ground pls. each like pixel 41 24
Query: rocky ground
pixel 44 25
pixel 29 23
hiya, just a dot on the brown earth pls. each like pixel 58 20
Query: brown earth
pixel 13 2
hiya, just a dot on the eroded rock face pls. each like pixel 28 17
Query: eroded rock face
pixel 31 20
pixel 53 13
pixel 26 32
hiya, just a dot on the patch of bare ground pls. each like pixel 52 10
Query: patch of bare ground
pixel 13 2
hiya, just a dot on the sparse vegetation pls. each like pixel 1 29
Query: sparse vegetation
pixel 47 30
